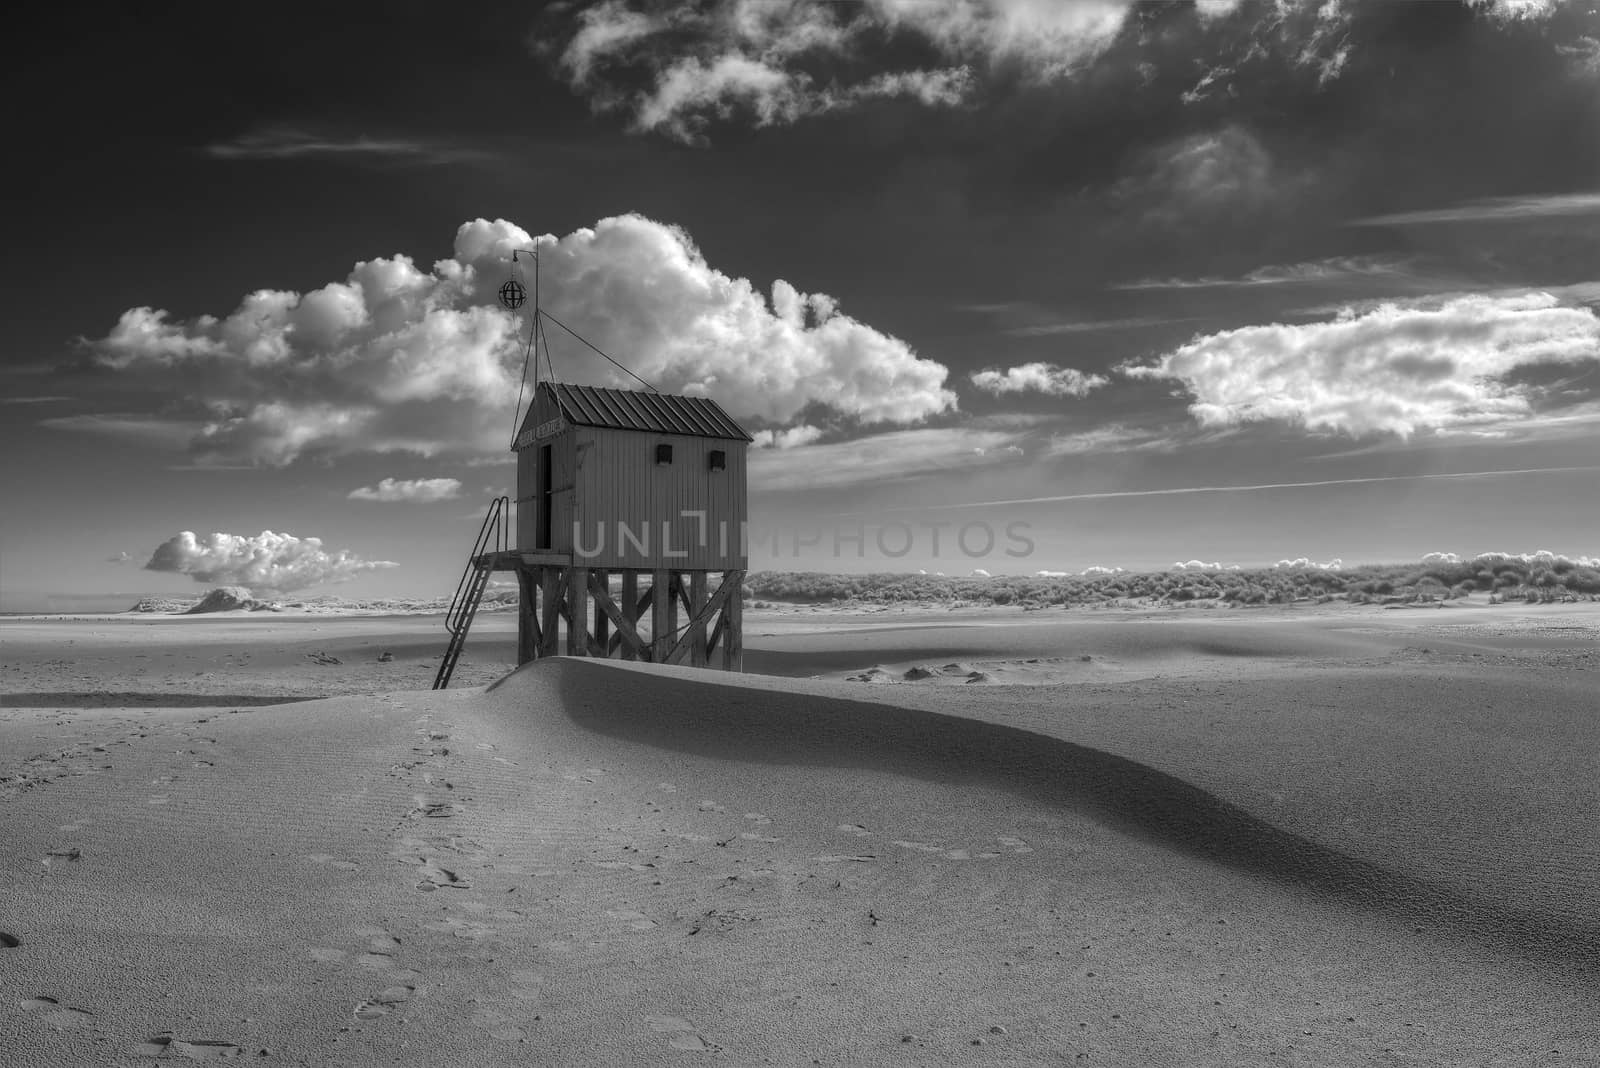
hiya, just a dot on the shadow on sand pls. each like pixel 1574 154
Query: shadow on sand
pixel 104 699
pixel 729 722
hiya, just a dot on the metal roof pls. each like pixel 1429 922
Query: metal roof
pixel 655 413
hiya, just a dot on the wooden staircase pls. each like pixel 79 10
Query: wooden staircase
pixel 492 537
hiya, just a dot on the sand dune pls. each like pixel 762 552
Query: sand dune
pixel 1379 855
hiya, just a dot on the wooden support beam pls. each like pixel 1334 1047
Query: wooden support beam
pixel 527 617
pixel 684 646
pixel 631 609
pixel 674 598
pixel 632 645
pixel 717 631
pixel 550 581
pixel 662 621
pixel 578 611
pixel 602 624
pixel 697 618
pixel 733 620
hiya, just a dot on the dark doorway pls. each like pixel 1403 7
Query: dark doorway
pixel 545 497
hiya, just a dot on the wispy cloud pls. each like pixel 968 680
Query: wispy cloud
pixel 1331 269
pixel 32 400
pixel 1091 326
pixel 154 430
pixel 413 491
pixel 291 142
pixel 896 455
pixel 1254 488
pixel 1495 209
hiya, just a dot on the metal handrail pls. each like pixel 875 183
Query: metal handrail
pixel 495 528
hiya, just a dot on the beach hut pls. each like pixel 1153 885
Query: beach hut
pixel 629 521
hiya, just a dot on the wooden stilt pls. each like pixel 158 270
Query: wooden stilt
pixel 662 616
pixel 602 625
pixel 577 611
pixel 551 583
pixel 733 621
pixel 630 609
pixel 697 621
pixel 527 617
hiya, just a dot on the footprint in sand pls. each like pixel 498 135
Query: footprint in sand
pixel 751 836
pixel 1015 845
pixel 711 806
pixel 199 1049
pixel 9 940
pixel 62 856
pixel 499 1025
pixel 56 1015
pixel 758 818
pixel 684 1035
pixel 326 954
pixel 433 877
pixel 384 1003
pixel 666 787
pixel 433 810
pixel 855 829
pixel 637 921
pixel 920 847
pixel 525 985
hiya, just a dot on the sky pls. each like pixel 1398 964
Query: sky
pixel 996 284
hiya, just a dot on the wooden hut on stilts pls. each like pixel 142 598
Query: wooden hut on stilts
pixel 629 534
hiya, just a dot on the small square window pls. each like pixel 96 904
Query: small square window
pixel 718 460
pixel 663 454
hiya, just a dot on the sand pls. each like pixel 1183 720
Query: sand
pixel 1340 836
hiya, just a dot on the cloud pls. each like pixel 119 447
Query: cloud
pixel 1039 377
pixel 1047 329
pixel 288 142
pixel 1396 369
pixel 676 70
pixel 979 572
pixel 1495 209
pixel 894 455
pixel 416 490
pixel 1305 563
pixel 1051 574
pixel 1201 565
pixel 1256 487
pixel 268 561
pixel 398 358
pixel 786 439
pixel 1331 269
pixel 1441 558
pixel 1096 569
pixel 154 430
pixel 32 400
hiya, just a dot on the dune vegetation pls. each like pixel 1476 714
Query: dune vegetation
pixel 1539 580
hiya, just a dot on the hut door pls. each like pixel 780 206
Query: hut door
pixel 546 497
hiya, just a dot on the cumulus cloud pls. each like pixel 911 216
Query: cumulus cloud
pixel 398 358
pixel 1305 563
pixel 1201 565
pixel 1393 369
pixel 979 572
pixel 676 69
pixel 1096 569
pixel 786 439
pixel 1051 574
pixel 1038 377
pixel 268 561
pixel 417 490
pixel 1441 558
